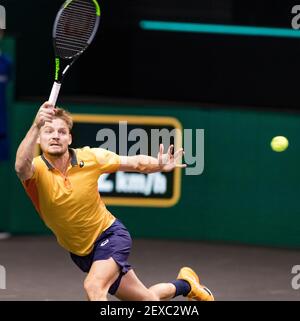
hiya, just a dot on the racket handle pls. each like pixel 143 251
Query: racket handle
pixel 54 93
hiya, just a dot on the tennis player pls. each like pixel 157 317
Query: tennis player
pixel 63 186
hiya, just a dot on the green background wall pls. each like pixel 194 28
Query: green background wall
pixel 7 46
pixel 247 193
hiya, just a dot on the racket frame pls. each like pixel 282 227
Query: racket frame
pixel 62 64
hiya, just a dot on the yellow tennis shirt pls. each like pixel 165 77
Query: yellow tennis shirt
pixel 70 205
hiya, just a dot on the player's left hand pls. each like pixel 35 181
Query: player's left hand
pixel 171 159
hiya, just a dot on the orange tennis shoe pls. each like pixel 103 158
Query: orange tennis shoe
pixel 198 291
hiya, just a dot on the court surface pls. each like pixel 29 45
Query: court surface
pixel 38 269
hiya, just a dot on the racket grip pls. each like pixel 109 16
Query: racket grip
pixel 54 93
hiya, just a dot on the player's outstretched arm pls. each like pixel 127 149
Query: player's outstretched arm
pixel 147 164
pixel 25 152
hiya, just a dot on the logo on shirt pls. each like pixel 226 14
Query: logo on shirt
pixel 104 242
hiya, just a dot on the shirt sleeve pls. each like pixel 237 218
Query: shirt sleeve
pixel 109 162
pixel 31 188
pixel 34 176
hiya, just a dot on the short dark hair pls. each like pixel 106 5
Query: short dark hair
pixel 65 116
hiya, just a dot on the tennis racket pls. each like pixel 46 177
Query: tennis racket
pixel 74 29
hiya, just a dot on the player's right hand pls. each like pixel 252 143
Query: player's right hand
pixel 45 114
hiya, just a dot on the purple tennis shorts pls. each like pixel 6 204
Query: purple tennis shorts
pixel 114 242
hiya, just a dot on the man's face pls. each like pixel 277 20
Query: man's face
pixel 55 137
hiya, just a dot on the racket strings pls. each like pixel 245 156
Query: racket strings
pixel 75 28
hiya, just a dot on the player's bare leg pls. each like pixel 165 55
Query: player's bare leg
pixel 187 284
pixel 132 289
pixel 99 279
pixel 165 291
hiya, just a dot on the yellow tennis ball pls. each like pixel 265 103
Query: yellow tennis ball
pixel 279 144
